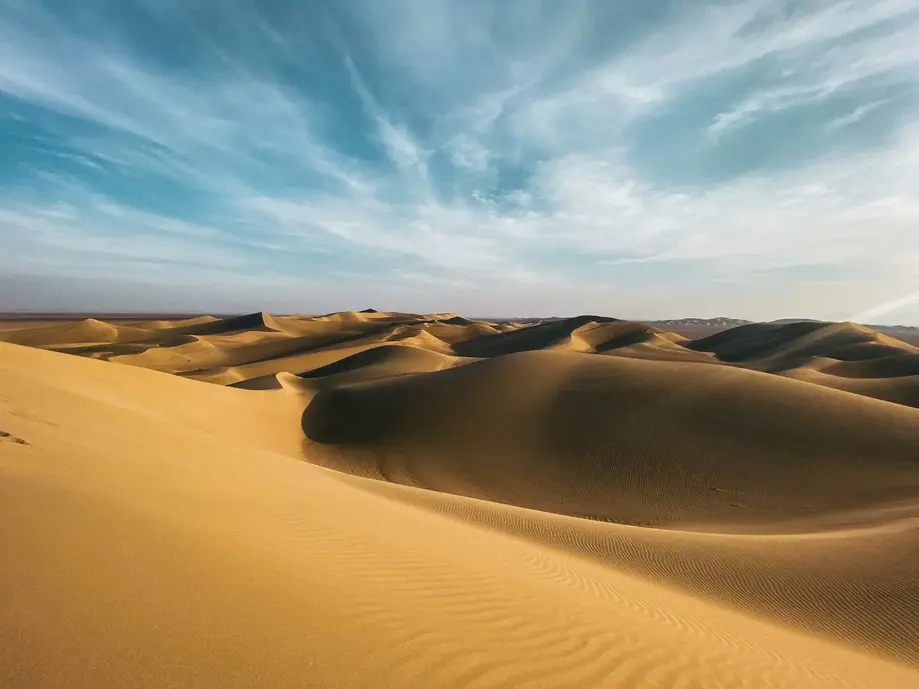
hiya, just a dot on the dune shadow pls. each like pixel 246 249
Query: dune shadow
pixel 342 416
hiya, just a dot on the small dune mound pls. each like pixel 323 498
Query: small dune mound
pixel 453 333
pixel 83 332
pixel 253 321
pixel 843 356
pixel 275 381
pixel 629 339
pixel 177 354
pixel 551 334
pixel 900 389
pixel 453 319
pixel 897 365
pixel 133 347
pixel 624 440
pixel 419 336
pixel 166 325
pixel 780 347
pixel 600 337
pixel 380 362
pixel 218 375
pixel 592 334
pixel 349 317
pixel 369 315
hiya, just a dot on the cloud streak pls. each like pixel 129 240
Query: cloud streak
pixel 518 157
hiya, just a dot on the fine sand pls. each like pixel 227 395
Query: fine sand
pixel 365 499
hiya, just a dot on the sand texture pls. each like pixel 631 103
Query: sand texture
pixel 369 499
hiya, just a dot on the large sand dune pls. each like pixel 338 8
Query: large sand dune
pixel 396 500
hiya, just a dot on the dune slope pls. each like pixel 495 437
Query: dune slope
pixel 844 356
pixel 144 549
pixel 776 485
pixel 404 500
pixel 625 440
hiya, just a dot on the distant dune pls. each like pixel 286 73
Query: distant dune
pixel 845 356
pixel 236 349
pixel 370 499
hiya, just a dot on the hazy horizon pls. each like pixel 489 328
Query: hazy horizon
pixel 755 159
pixel 493 317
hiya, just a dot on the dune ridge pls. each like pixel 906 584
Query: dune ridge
pixel 402 500
pixel 844 356
pixel 229 351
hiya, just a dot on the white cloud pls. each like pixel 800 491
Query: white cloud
pixel 820 53
pixel 892 306
pixel 532 102
pixel 893 61
pixel 469 154
pixel 399 144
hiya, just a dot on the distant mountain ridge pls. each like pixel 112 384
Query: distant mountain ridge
pixel 724 322
pixel 717 322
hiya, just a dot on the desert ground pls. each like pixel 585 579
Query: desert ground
pixel 368 499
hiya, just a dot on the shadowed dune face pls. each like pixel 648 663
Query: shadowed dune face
pixel 625 440
pixel 781 347
pixel 592 334
pixel 385 360
pixel 579 502
pixel 845 356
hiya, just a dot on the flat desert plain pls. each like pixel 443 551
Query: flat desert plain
pixel 369 499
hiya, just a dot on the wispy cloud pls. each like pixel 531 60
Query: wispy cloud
pixel 857 115
pixel 555 156
pixel 887 307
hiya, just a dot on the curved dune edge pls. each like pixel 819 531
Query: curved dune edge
pixel 257 346
pixel 201 560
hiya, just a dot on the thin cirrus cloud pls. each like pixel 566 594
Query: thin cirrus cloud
pixel 754 158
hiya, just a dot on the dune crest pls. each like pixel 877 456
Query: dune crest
pixel 844 356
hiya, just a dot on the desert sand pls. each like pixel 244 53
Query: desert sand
pixel 369 499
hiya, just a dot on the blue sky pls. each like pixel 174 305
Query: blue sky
pixel 755 158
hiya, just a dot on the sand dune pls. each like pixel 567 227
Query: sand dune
pixel 779 347
pixel 626 440
pixel 845 356
pixel 385 361
pixel 400 500
pixel 901 389
pixel 86 331
pixel 164 325
pixel 584 333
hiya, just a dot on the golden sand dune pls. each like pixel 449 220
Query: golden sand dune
pixel 901 390
pixel 164 325
pixel 427 501
pixel 593 334
pixel 626 440
pixel 779 347
pixel 86 331
pixel 385 361
pixel 845 356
